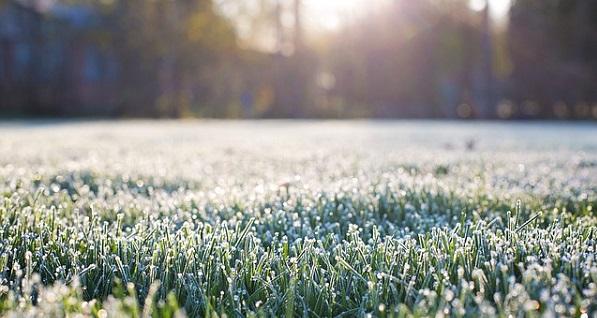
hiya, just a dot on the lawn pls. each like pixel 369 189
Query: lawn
pixel 298 219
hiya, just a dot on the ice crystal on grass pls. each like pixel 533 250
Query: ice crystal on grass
pixel 314 219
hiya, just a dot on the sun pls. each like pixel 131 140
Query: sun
pixel 499 8
pixel 331 14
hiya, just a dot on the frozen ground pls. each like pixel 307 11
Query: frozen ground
pixel 298 218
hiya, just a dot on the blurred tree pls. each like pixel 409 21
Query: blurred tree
pixel 166 49
pixel 414 59
pixel 226 58
pixel 294 67
pixel 553 46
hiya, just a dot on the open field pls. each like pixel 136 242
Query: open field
pixel 298 219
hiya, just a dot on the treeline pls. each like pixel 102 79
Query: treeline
pixel 424 58
pixel 157 58
pixel 441 59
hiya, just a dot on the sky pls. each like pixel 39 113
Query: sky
pixel 330 15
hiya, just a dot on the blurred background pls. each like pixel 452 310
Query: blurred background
pixel 477 59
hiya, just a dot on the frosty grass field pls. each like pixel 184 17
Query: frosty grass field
pixel 298 219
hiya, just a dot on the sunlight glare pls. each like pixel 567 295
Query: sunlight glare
pixel 499 8
pixel 331 14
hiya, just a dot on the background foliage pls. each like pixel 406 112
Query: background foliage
pixel 429 58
